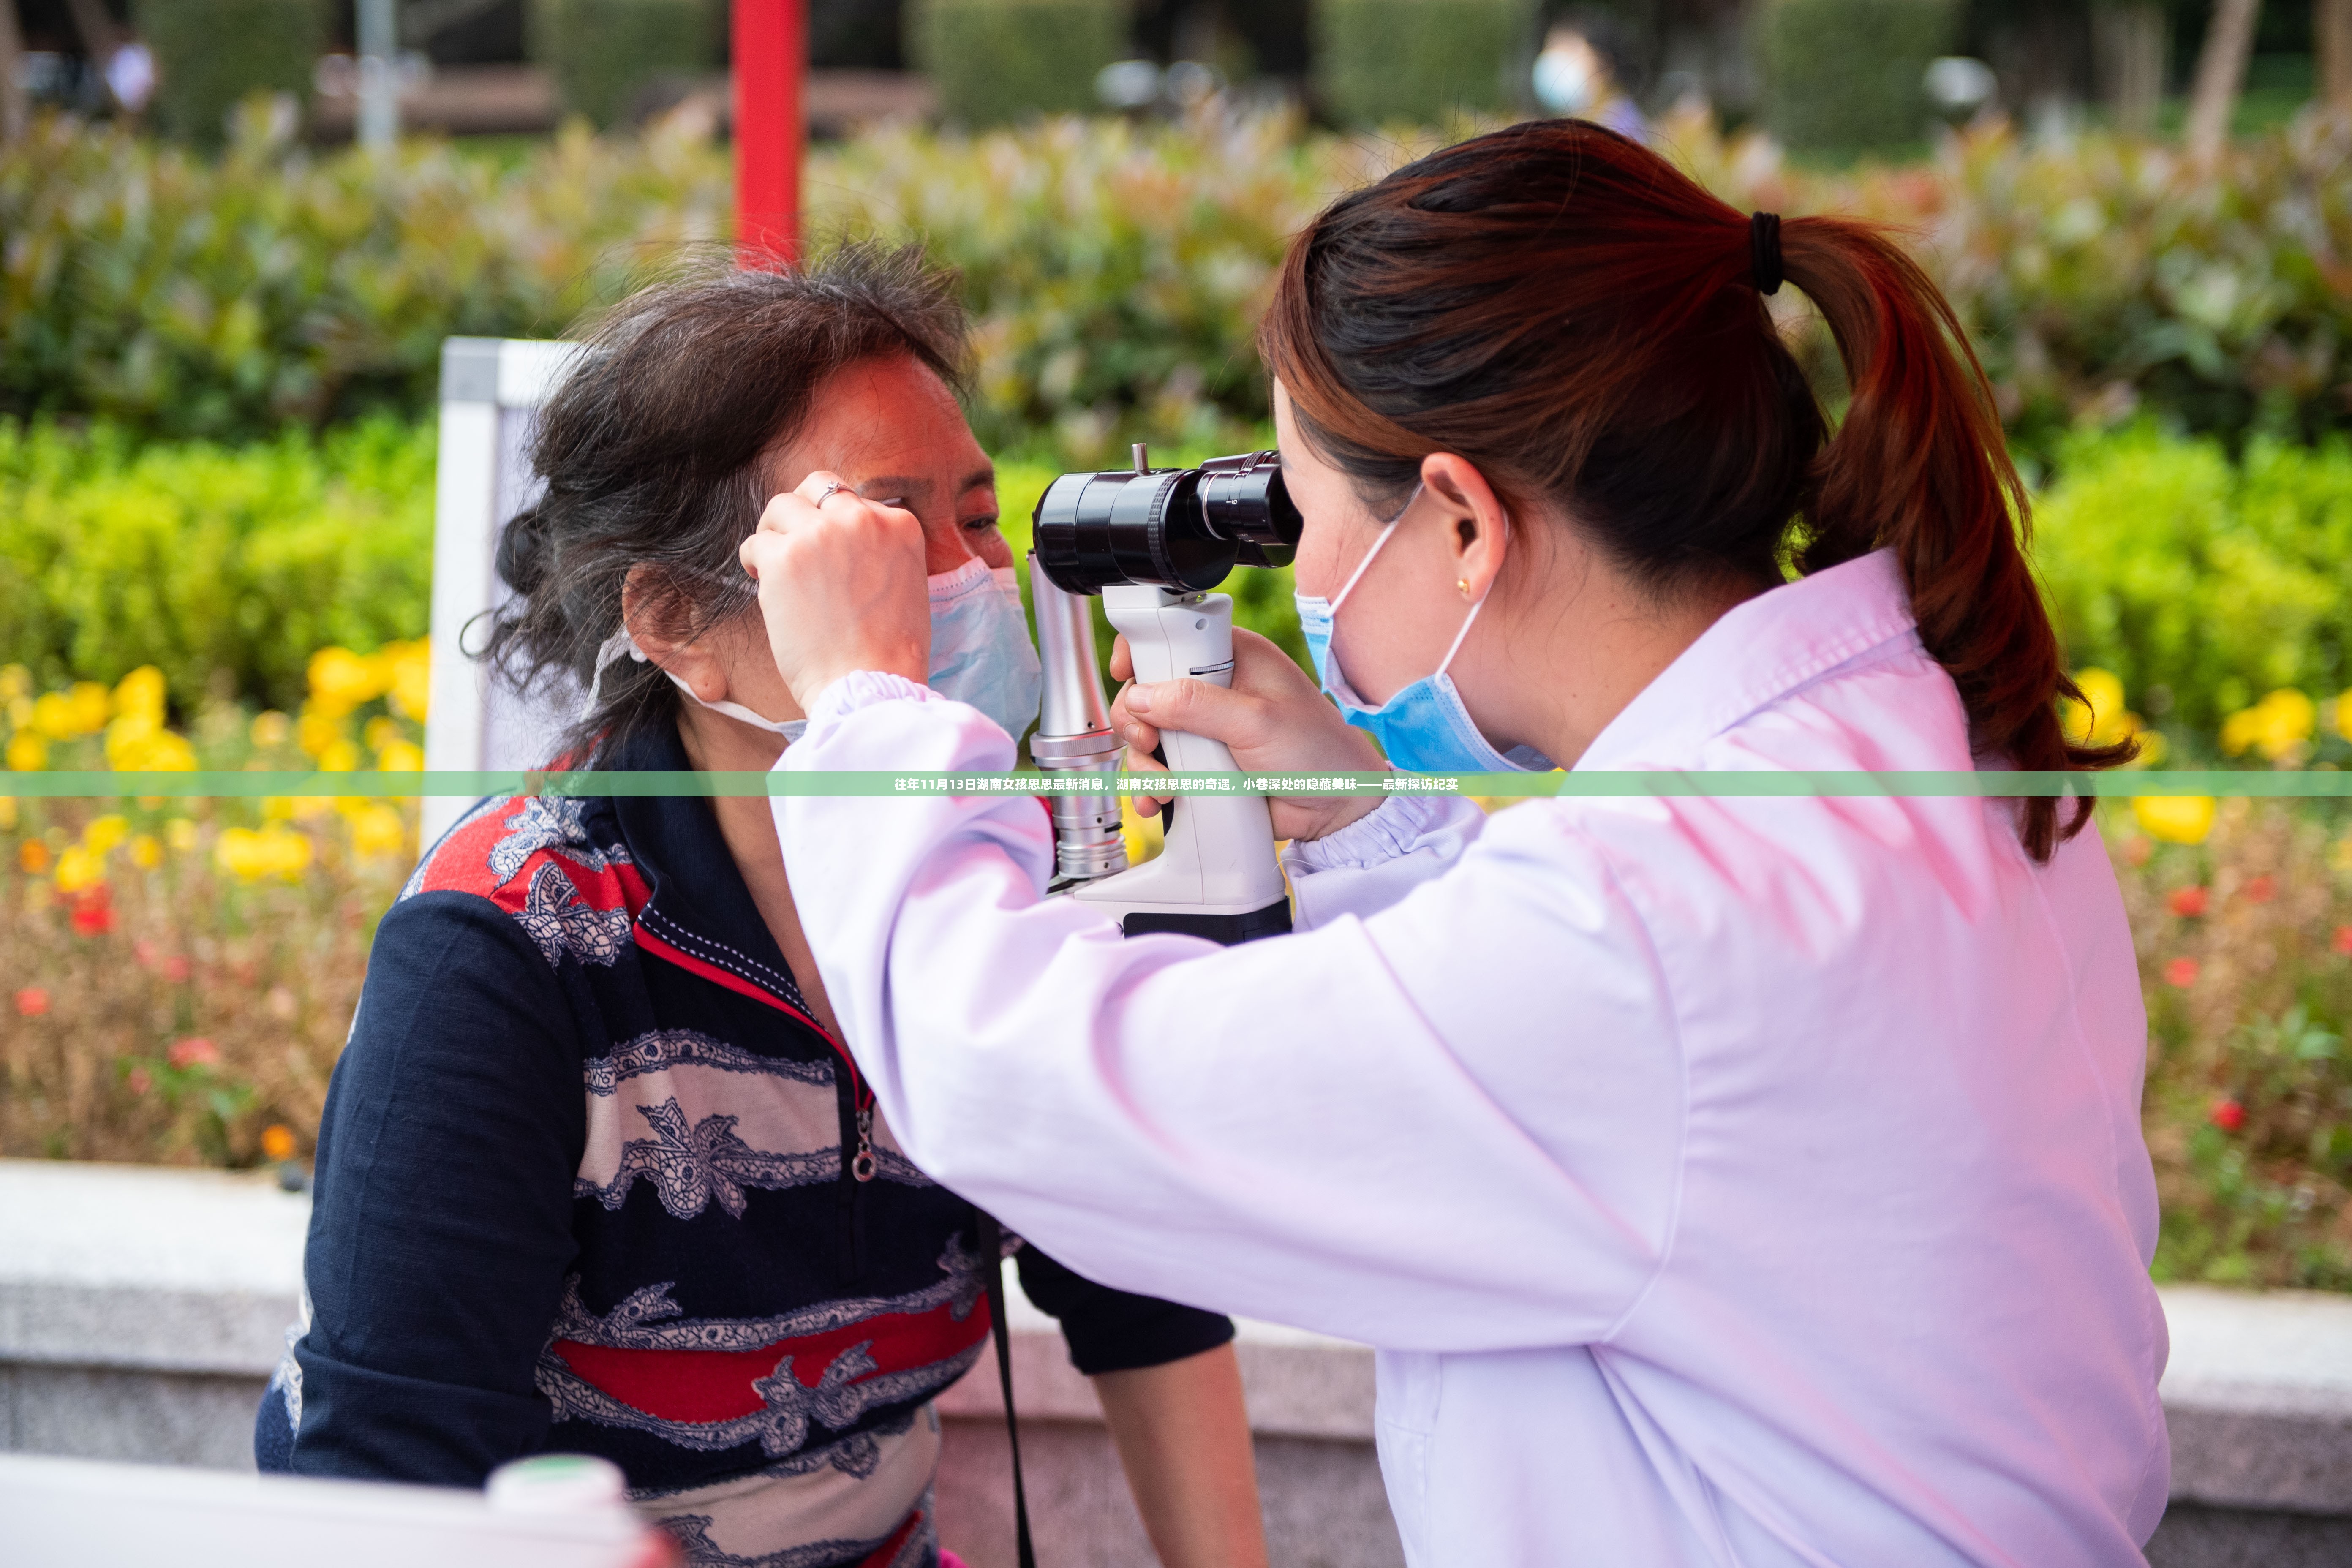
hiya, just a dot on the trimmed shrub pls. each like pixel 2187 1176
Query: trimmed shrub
pixel 1846 75
pixel 2202 582
pixel 604 54
pixel 998 61
pixel 211 563
pixel 209 54
pixel 1378 61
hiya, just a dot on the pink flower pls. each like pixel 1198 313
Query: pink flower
pixel 2181 971
pixel 175 970
pixel 143 952
pixel 193 1051
pixel 2226 1114
pixel 2261 889
pixel 33 1000
pixel 139 1080
pixel 2187 902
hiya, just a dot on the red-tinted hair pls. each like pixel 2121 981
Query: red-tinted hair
pixel 1577 317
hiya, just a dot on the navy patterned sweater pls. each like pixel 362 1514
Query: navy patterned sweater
pixel 592 1179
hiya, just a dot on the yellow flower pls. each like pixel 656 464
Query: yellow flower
pixel 317 728
pixel 141 692
pixel 126 736
pixel 402 757
pixel 339 757
pixel 270 729
pixel 88 702
pixel 165 752
pixel 2278 726
pixel 20 712
pixel 2343 706
pixel 145 852
pixel 2100 718
pixel 53 716
pixel 15 681
pixel 27 753
pixel 104 833
pixel 377 831
pixel 249 855
pixel 411 664
pixel 181 834
pixel 79 868
pixel 2174 818
pixel 2339 859
pixel 378 732
pixel 340 680
pixel 7 814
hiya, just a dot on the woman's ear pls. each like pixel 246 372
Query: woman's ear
pixel 1478 528
pixel 648 609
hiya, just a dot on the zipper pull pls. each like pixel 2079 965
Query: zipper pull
pixel 863 1166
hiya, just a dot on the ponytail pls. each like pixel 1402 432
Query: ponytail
pixel 1576 316
pixel 1919 466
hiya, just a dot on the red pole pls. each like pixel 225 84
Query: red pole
pixel 771 42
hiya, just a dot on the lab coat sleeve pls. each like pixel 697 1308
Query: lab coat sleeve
pixel 1285 1129
pixel 1380 857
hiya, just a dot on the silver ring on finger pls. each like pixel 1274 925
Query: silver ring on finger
pixel 827 494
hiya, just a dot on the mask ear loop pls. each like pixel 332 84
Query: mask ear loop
pixel 1388 531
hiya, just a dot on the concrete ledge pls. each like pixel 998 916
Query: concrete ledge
pixel 142 1309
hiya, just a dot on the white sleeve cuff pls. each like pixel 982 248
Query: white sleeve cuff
pixel 862 689
pixel 1382 834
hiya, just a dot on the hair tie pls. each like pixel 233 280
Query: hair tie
pixel 1764 251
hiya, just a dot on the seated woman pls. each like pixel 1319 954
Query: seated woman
pixel 596 1173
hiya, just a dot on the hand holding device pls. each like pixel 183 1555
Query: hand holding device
pixel 1271 719
pixel 841 586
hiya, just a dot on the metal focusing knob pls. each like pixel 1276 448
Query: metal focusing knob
pixel 1074 734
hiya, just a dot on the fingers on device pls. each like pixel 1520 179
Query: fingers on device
pixel 1153 544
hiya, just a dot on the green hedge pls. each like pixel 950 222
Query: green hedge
pixel 1848 74
pixel 1381 61
pixel 212 563
pixel 2203 583
pixel 1115 270
pixel 210 52
pixel 603 53
pixel 996 62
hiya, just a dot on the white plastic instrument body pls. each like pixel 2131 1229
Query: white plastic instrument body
pixel 1218 863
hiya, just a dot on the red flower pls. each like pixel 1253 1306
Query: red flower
pixel 2260 889
pixel 32 1001
pixel 2181 971
pixel 139 1080
pixel 2226 1114
pixel 193 1051
pixel 2186 901
pixel 175 970
pixel 92 915
pixel 2344 939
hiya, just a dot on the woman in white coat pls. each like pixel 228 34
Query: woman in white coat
pixel 1726 1180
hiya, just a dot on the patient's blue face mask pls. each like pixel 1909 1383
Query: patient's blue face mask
pixel 1423 728
pixel 981 653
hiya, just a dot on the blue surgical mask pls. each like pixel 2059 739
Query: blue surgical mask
pixel 981 651
pixel 1424 728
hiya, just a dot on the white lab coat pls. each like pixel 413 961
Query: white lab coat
pixel 1723 1181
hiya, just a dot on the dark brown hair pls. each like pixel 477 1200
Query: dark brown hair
pixel 651 454
pixel 1574 315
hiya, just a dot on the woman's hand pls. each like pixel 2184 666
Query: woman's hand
pixel 1271 719
pixel 842 588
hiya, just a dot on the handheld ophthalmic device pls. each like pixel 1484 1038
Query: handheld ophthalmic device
pixel 1153 544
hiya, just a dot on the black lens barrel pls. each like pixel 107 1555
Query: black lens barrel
pixel 1183 529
